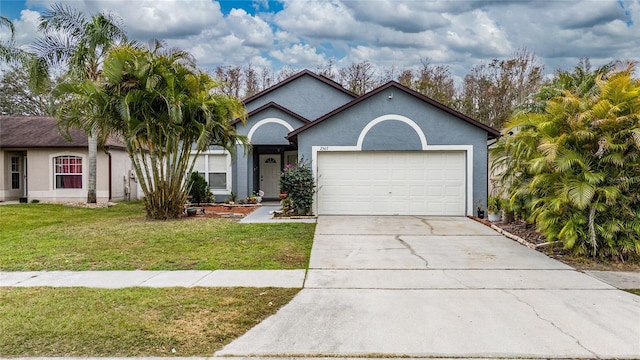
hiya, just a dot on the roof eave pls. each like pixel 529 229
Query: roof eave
pixel 272 104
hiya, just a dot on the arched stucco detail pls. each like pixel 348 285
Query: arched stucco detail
pixel 267 121
pixel 376 121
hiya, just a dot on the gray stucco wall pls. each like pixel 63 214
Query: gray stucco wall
pixel 269 133
pixel 439 128
pixel 305 96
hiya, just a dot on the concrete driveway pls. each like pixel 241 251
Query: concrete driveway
pixel 442 287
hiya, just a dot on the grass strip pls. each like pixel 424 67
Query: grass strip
pixel 58 237
pixel 84 322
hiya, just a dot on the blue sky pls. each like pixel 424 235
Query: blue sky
pixel 397 34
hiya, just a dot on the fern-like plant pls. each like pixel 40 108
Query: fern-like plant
pixel 576 167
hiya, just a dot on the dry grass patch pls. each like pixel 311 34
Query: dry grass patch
pixel 84 322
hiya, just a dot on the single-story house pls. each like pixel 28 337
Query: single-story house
pixel 39 164
pixel 392 151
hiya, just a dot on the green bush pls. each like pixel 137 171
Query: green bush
pixel 574 168
pixel 199 189
pixel 494 204
pixel 297 181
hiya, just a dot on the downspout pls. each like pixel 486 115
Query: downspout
pixel 106 151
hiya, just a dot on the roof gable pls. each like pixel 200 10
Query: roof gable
pixel 294 78
pixel 491 132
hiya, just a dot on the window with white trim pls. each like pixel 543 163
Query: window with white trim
pixel 215 169
pixel 15 172
pixel 67 172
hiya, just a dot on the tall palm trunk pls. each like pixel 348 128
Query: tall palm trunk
pixel 92 168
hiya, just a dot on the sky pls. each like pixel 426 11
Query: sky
pixel 305 34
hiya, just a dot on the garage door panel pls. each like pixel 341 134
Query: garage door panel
pixel 404 183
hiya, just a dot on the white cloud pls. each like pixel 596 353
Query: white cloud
pixel 26 28
pixel 477 34
pixel 163 19
pixel 305 33
pixel 404 16
pixel 299 55
pixel 318 19
pixel 255 31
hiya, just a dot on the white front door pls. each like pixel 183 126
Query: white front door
pixel 270 175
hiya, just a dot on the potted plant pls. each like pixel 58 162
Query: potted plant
pixel 494 206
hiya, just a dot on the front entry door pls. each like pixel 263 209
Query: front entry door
pixel 270 175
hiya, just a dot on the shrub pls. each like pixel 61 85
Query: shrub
pixel 297 181
pixel 199 189
pixel 574 168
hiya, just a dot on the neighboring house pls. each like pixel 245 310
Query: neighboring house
pixel 39 164
pixel 391 151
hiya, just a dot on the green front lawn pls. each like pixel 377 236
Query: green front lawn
pixel 84 322
pixel 57 237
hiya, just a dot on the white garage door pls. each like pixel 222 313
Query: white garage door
pixel 391 183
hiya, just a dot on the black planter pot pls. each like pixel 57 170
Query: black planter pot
pixel 192 211
pixel 481 214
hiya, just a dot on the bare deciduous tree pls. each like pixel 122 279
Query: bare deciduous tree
pixel 284 73
pixel 491 92
pixel 327 69
pixel 436 82
pixel 251 86
pixel 230 78
pixel 359 77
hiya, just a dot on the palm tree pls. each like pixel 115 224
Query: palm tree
pixel 80 43
pixel 164 108
pixel 581 81
pixel 6 49
pixel 578 164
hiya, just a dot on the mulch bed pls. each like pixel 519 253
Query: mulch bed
pixel 529 234
pixel 223 210
pixel 522 229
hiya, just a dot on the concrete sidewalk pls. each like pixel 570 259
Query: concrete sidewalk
pixel 326 278
pixel 156 279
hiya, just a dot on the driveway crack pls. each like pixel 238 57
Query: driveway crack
pixel 413 251
pixel 426 222
pixel 550 322
pixel 444 272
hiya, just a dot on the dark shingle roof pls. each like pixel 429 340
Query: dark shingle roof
pixel 274 105
pixel 41 132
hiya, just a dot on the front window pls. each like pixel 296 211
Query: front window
pixel 15 172
pixel 68 172
pixel 214 168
